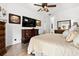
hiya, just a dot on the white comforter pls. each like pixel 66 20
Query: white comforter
pixel 51 45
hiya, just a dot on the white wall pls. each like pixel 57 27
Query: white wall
pixel 13 31
pixel 67 11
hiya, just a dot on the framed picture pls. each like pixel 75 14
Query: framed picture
pixel 16 19
pixel 38 23
pixel 65 24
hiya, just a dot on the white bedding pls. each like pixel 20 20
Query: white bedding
pixel 51 45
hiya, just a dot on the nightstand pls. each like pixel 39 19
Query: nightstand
pixel 59 31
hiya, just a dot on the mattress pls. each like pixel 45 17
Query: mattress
pixel 51 45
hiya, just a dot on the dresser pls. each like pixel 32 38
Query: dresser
pixel 27 34
pixel 59 31
pixel 2 38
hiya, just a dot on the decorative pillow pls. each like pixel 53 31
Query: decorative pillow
pixel 76 41
pixel 71 36
pixel 73 28
pixel 65 33
pixel 77 29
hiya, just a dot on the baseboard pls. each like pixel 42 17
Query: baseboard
pixel 8 46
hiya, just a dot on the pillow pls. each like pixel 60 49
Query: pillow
pixel 77 29
pixel 65 33
pixel 73 28
pixel 76 41
pixel 71 36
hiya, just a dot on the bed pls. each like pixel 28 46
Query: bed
pixel 51 45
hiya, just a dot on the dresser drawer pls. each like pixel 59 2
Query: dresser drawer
pixel 27 34
pixel 2 27
pixel 2 51
pixel 2 45
pixel 2 32
pixel 2 39
pixel 2 42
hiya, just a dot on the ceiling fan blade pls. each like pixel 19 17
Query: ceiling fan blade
pixel 37 5
pixel 39 9
pixel 51 5
pixel 46 10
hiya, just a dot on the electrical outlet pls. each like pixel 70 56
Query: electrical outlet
pixel 14 39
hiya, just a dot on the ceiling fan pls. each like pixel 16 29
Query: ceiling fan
pixel 44 7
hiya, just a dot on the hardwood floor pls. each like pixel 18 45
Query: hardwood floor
pixel 17 50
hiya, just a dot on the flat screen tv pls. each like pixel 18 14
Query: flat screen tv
pixel 28 22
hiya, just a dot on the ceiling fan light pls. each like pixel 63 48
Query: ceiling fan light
pixel 45 7
pixel 41 9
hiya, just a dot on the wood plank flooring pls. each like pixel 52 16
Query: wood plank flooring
pixel 17 50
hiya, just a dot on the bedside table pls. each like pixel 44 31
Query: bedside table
pixel 59 31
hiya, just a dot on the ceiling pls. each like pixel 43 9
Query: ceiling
pixel 32 7
pixel 52 10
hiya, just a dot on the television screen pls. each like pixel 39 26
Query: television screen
pixel 28 22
